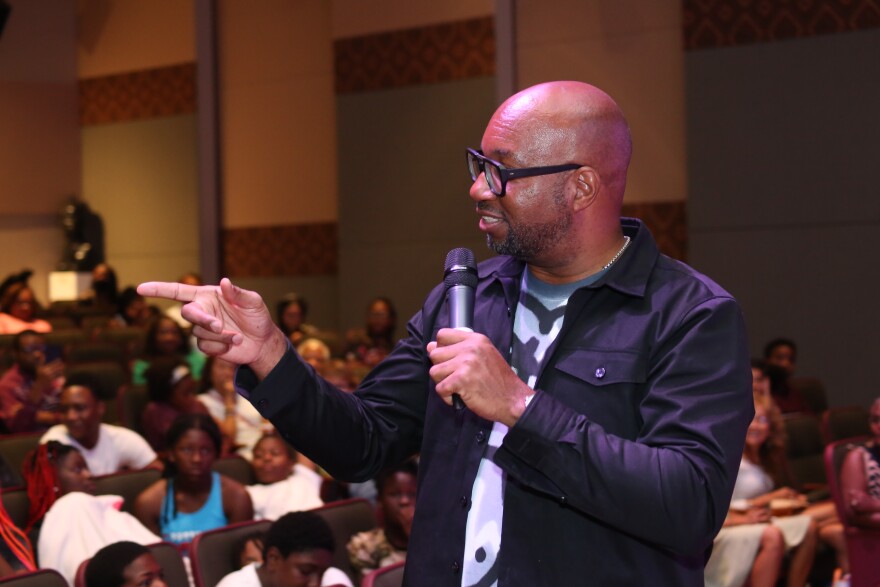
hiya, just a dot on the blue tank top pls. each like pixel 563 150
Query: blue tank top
pixel 181 527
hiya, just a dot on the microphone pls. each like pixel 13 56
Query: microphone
pixel 460 279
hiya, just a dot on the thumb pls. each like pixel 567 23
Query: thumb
pixel 243 298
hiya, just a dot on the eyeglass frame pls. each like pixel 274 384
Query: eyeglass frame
pixel 509 173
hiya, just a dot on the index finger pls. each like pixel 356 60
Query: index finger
pixel 171 291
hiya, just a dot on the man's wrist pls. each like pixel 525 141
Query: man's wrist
pixel 271 355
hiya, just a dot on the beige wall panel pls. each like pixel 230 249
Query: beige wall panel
pixel 273 40
pixel 644 72
pixel 563 21
pixel 34 244
pixel 117 36
pixel 39 42
pixel 39 135
pixel 141 178
pixel 39 146
pixel 279 153
pixel 353 18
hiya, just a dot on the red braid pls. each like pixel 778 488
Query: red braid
pixel 41 478
pixel 16 540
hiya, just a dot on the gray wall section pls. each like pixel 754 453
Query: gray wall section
pixel 784 208
pixel 403 190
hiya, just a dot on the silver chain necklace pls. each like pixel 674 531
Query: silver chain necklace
pixel 618 254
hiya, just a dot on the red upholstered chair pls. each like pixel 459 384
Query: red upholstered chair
pixel 167 555
pixel 845 422
pixel 212 552
pixel 346 518
pixel 863 544
pixel 390 576
pixel 41 578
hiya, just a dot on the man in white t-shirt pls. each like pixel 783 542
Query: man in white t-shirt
pixel 297 552
pixel 106 448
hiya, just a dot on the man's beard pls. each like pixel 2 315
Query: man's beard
pixel 526 241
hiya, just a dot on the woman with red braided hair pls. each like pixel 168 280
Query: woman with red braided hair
pixel 73 523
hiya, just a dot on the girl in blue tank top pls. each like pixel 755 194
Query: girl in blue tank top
pixel 193 498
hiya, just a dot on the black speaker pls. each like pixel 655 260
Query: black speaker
pixel 5 9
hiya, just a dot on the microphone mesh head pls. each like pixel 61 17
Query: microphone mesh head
pixel 460 268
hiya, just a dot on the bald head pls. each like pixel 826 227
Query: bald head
pixel 571 121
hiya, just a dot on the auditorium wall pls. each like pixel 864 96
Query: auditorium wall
pixel 783 208
pixel 137 112
pixel 39 135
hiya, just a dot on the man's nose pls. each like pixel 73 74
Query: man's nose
pixel 480 189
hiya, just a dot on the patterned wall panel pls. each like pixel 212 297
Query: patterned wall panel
pixel 724 23
pixel 419 56
pixel 139 95
pixel 667 221
pixel 266 251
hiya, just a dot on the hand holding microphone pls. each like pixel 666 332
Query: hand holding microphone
pixel 460 279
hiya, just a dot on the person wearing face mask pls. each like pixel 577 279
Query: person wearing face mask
pixel 73 522
pixel 124 564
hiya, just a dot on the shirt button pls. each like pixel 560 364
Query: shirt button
pixel 481 437
pixel 455 566
pixel 463 501
pixel 600 372
pixel 562 500
pixel 263 403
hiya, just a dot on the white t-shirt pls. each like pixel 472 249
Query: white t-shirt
pixel 117 448
pixel 247 577
pixel 301 491
pixel 249 424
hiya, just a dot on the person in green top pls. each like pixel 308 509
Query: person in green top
pixel 165 338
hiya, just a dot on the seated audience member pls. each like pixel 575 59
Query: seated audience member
pixel 124 564
pixel 339 374
pixel 860 477
pixel 744 549
pixel 131 310
pixel 192 498
pixel 780 357
pixel 103 294
pixel 166 339
pixel 284 485
pixel 291 316
pixel 315 353
pixel 387 545
pixel 760 380
pixel 249 550
pixel 106 448
pixel 297 552
pixel 29 390
pixel 371 344
pixel 18 310
pixel 172 392
pixel 173 311
pixel 239 421
pixel 74 523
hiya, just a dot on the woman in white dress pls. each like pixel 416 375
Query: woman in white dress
pixel 753 540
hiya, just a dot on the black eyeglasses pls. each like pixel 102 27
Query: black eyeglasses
pixel 497 175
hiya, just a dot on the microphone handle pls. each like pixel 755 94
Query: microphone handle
pixel 461 317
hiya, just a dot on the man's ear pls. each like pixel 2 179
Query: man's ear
pixel 586 188
pixel 273 559
pixel 101 408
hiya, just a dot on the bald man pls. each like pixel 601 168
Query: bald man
pixel 607 386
